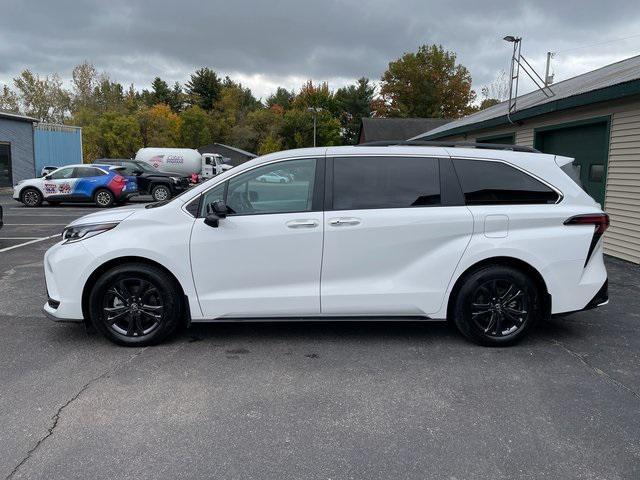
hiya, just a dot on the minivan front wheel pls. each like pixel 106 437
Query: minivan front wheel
pixel 135 305
pixel 496 306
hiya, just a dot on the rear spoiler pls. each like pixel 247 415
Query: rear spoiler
pixel 562 161
pixel 117 168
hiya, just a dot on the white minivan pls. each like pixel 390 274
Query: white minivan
pixel 494 238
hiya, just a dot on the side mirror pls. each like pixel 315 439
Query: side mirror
pixel 47 177
pixel 215 211
pixel 137 171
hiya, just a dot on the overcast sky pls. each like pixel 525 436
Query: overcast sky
pixel 270 43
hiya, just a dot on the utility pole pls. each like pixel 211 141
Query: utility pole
pixel 314 111
pixel 548 80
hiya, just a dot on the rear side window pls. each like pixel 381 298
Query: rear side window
pixel 385 182
pixel 86 172
pixel 495 183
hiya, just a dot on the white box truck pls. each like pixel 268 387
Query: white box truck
pixel 183 161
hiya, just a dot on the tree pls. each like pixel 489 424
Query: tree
pixel 354 103
pixel 9 101
pixel 297 129
pixel 84 80
pixel 159 126
pixel 203 88
pixel 282 97
pixel 44 99
pixel 315 96
pixel 427 83
pixel 194 127
pixel 270 144
pixel 113 136
pixel 495 92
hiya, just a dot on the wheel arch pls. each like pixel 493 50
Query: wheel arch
pixel 86 290
pixel 32 187
pixel 512 262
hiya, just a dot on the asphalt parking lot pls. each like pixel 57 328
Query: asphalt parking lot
pixel 311 400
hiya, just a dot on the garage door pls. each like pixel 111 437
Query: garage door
pixel 5 165
pixel 589 145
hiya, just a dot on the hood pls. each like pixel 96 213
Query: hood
pixel 111 215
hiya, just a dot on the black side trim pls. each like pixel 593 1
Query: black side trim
pixel 53 303
pixel 317 202
pixel 328 184
pixel 601 297
pixel 450 191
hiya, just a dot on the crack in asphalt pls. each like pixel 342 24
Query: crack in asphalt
pixel 595 369
pixel 56 416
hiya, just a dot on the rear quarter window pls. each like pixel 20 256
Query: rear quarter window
pixel 496 183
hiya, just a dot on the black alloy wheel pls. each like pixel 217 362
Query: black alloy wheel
pixel 499 307
pixel 496 305
pixel 132 307
pixel 135 304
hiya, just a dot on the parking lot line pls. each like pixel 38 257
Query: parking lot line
pixel 29 242
pixel 19 238
pixel 34 224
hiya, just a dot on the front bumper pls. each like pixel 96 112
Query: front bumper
pixel 65 273
pixel 50 310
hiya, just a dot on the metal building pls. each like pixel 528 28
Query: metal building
pixel 56 145
pixel 16 148
pixel 594 118
pixel 27 145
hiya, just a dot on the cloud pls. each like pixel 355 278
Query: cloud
pixel 282 42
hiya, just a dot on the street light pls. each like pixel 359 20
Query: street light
pixel 314 111
pixel 512 39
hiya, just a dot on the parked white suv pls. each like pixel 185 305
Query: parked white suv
pixel 492 239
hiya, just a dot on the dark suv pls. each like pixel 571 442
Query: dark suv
pixel 151 181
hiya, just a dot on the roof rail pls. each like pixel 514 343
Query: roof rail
pixel 427 143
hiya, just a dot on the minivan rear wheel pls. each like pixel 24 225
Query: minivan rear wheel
pixel 496 306
pixel 135 305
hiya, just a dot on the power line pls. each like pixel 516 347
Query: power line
pixel 597 44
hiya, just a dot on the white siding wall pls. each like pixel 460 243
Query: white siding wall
pixel 622 200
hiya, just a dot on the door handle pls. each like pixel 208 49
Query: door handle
pixel 344 221
pixel 302 223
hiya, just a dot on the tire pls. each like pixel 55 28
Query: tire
pixel 31 197
pixel 104 198
pixel 161 193
pixel 135 305
pixel 496 306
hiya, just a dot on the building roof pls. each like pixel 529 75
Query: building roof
pixel 237 150
pixel 376 129
pixel 16 116
pixel 610 82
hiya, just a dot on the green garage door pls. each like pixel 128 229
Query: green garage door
pixel 589 145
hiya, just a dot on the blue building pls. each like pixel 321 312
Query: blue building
pixel 56 145
pixel 27 145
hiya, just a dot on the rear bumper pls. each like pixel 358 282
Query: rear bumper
pixel 600 298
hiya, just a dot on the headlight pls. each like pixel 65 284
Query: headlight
pixel 175 179
pixel 76 233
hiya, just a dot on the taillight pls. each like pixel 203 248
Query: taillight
pixel 119 179
pixel 599 220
